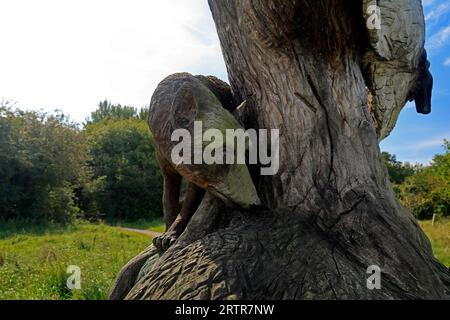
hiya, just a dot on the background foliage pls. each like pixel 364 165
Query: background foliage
pixel 55 170
pixel 126 181
pixel 425 190
pixel 42 161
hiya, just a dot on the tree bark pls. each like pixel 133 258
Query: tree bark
pixel 330 210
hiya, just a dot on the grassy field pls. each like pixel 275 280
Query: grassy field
pixel 34 261
pixel 439 235
pixel 153 225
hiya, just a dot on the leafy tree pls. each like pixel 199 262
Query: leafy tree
pixel 42 161
pixel 398 171
pixel 428 192
pixel 108 111
pixel 127 180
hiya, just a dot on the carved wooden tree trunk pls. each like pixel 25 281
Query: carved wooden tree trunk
pixel 331 212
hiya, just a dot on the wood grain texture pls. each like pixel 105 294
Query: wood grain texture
pixel 391 62
pixel 330 212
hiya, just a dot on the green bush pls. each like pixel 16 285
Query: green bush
pixel 108 111
pixel 60 205
pixel 127 180
pixel 398 171
pixel 42 159
pixel 428 191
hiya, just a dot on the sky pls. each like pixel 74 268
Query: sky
pixel 70 55
pixel 417 138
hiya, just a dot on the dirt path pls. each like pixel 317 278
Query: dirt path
pixel 149 233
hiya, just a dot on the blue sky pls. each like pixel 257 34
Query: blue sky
pixel 71 55
pixel 418 138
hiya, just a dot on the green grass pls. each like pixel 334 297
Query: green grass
pixel 34 260
pixel 439 235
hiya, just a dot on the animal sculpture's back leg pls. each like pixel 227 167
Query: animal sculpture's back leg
pixel 171 203
pixel 171 194
pixel 172 184
pixel 192 199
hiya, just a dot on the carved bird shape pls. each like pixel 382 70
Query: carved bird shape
pixel 395 64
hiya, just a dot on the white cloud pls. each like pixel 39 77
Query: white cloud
pixel 418 151
pixel 71 55
pixel 437 12
pixel 427 3
pixel 447 62
pixel 440 38
pixel 433 142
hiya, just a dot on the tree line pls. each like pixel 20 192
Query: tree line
pixel 425 190
pixel 54 169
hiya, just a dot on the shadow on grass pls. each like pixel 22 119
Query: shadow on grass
pixel 12 228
